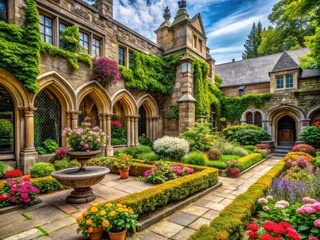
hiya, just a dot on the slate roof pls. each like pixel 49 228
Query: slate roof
pixel 253 70
pixel 310 73
pixel 285 63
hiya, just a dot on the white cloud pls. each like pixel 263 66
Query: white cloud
pixel 227 50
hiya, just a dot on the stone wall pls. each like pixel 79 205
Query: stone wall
pixel 249 89
pixel 309 83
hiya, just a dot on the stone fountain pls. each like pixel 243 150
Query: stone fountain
pixel 82 178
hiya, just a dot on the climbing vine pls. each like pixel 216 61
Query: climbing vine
pixel 151 73
pixel 21 47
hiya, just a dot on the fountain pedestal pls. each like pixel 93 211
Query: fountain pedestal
pixel 81 179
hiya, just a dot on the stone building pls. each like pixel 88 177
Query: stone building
pixel 295 101
pixel 67 96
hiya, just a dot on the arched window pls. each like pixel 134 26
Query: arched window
pixel 47 118
pixel 3 10
pixel 257 119
pixel 6 122
pixel 249 118
pixel 88 108
pixel 142 121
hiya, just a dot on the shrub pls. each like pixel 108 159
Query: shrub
pixel 262 146
pixel 106 71
pixel 246 134
pixel 171 148
pixel 226 158
pixel 102 162
pixel 6 128
pixel 196 158
pixel 50 145
pixel 65 163
pixel 47 184
pixel 304 148
pixel 41 150
pixel 199 137
pixel 172 113
pixel 214 154
pixel 150 156
pixel 311 135
pixel 143 140
pixel 217 164
pixel 118 141
pixel 230 149
pixel 249 160
pixel 294 156
pixel 233 168
pixel 135 151
pixel 263 152
pixel 41 170
pixel 250 147
pixel 70 39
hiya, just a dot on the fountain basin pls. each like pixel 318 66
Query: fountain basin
pixel 81 180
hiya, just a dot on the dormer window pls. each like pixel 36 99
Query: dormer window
pixel 289 81
pixel 280 84
pixel 284 81
pixel 3 10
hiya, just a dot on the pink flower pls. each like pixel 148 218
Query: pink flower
pixel 316 223
pixel 265 208
pixel 316 206
pixel 86 146
pixel 262 200
pixel 313 238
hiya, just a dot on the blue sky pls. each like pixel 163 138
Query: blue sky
pixel 227 22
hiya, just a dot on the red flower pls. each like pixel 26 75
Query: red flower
pixel 253 227
pixel 253 235
pixel 266 236
pixel 278 238
pixel 294 235
pixel 317 123
pixel 13 173
pixel 285 225
pixel 279 229
pixel 269 226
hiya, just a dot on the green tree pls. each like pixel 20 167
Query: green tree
pixel 253 41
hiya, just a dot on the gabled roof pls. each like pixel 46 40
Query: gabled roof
pixel 285 63
pixel 196 21
pixel 253 70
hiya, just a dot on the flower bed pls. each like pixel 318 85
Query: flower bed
pixel 232 220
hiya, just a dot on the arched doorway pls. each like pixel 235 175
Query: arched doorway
pixel 47 118
pixel 142 121
pixel 6 122
pixel 286 131
pixel 88 109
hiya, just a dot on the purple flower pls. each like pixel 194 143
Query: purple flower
pixel 147 173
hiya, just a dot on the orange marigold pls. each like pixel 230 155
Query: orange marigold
pixel 112 214
pixel 79 218
pixel 85 213
pixel 119 205
pixel 90 230
pixel 131 211
pixel 89 222
pixel 94 209
pixel 105 223
pixel 120 209
pixel 102 213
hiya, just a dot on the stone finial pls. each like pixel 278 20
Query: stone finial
pixel 182 4
pixel 166 14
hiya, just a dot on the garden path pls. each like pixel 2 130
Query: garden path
pixel 184 223
pixel 57 218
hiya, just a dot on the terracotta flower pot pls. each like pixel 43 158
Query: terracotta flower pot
pixel 96 234
pixel 118 235
pixel 124 174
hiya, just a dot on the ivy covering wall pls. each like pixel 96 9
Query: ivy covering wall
pixel 21 47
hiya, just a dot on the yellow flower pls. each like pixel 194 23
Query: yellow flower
pixel 119 205
pixel 102 213
pixel 105 223
pixel 108 205
pixel 94 205
pixel 85 213
pixel 94 209
pixel 89 222
pixel 90 230
pixel 120 210
pixel 131 211
pixel 112 214
pixel 125 210
pixel 79 218
pixel 124 206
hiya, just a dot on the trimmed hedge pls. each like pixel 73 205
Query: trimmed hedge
pixel 175 190
pixel 248 161
pixel 232 220
pixel 47 184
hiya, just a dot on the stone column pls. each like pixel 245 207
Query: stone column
pixel 154 128
pixel 74 119
pixel 133 130
pixel 136 136
pixel 68 120
pixel 128 131
pixel 29 155
pixel 151 128
pixel 109 148
pixel 157 128
pixel 147 128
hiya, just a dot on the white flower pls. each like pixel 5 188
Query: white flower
pixel 262 200
pixel 269 197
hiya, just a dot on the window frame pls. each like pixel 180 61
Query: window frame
pixel 94 46
pixel 60 36
pixel 44 33
pixel 283 81
pixel 82 41
pixel 291 80
pixel 6 9
pixel 122 61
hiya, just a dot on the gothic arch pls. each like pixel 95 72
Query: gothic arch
pixel 127 100
pixel 253 111
pixel 60 87
pixel 313 111
pixel 99 95
pixel 149 104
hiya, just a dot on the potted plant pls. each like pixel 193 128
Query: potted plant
pixel 86 141
pixel 123 164
pixel 121 218
pixel 114 218
pixel 93 221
